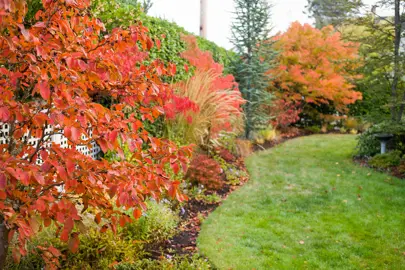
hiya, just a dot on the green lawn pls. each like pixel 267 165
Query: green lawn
pixel 307 206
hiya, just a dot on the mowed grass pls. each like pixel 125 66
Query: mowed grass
pixel 307 206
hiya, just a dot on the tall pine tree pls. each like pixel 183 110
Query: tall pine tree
pixel 250 36
pixel 334 12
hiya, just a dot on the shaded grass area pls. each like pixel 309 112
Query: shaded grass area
pixel 308 206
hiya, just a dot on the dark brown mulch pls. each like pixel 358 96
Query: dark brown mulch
pixel 185 241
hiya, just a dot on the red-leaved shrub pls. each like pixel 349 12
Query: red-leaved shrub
pixel 205 171
pixel 226 155
pixel 285 113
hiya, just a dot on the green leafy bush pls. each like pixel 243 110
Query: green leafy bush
pixel 97 251
pixel 115 13
pixel 157 225
pixel 384 161
pixel 177 263
pixel 368 145
pixel 100 250
pixel 313 129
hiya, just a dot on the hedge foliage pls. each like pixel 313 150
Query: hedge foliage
pixel 172 45
pixel 120 13
pixel 368 145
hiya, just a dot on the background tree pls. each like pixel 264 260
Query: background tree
pixel 250 33
pixel 334 12
pixel 317 69
pixel 50 73
pixel 376 39
pixel 146 5
pixel 384 57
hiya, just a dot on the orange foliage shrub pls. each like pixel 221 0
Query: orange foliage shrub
pixel 316 67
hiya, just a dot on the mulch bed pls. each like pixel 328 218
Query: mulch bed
pixel 192 214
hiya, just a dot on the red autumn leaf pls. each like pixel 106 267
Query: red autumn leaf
pixel 113 191
pixel 104 229
pixel 40 205
pixel 4 114
pixel 149 44
pixel 75 134
pixel 44 90
pixel 3 195
pixel 64 236
pixel 70 167
pixel 3 181
pixel 175 168
pixel 137 213
pixel 23 176
pixel 55 252
pixel 97 218
pixel 47 222
pixel 62 173
pixel 40 179
pixel 67 131
pixel 158 44
pixel 123 221
pixel 113 136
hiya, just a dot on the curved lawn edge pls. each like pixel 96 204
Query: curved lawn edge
pixel 307 205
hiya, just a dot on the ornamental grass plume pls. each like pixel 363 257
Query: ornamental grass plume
pixel 216 96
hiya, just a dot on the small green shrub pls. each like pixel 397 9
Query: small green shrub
pixel 384 161
pixel 208 199
pixel 313 129
pixel 233 174
pixel 228 141
pixel 96 251
pixel 177 263
pixel 343 130
pixel 157 225
pixel 100 250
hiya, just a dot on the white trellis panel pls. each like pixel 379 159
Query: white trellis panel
pixel 93 152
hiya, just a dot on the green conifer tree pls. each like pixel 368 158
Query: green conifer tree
pixel 250 37
pixel 334 12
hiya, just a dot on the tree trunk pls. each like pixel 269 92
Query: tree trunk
pixel 3 243
pixel 248 116
pixel 394 86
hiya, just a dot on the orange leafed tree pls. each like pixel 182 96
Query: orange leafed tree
pixel 316 67
pixel 50 74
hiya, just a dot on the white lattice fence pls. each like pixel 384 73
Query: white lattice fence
pixel 93 151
